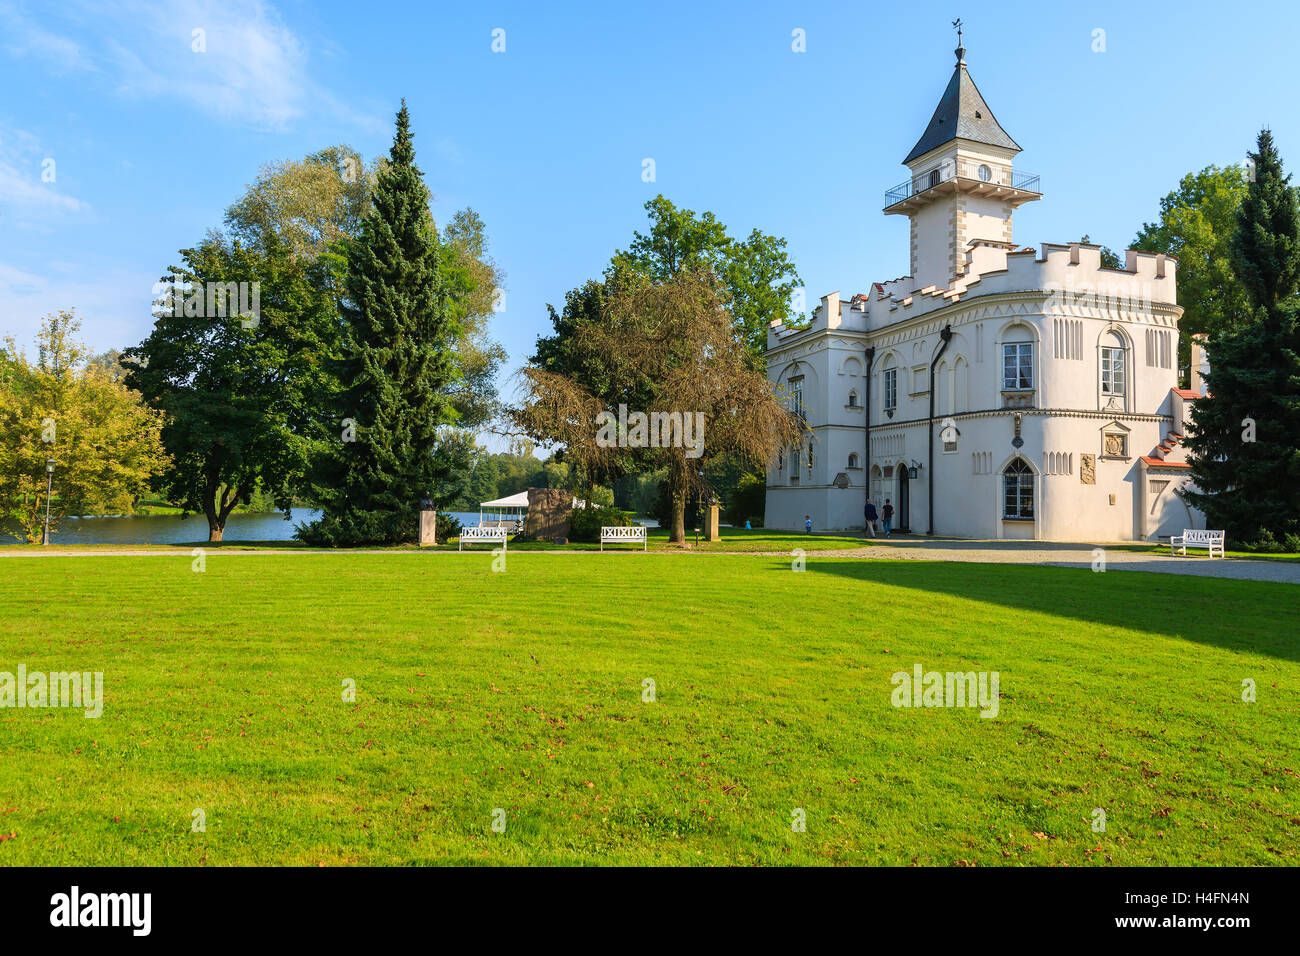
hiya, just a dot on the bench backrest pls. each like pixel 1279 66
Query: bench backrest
pixel 484 534
pixel 1202 536
pixel 634 533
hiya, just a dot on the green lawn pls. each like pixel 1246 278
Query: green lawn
pixel 523 691
pixel 733 541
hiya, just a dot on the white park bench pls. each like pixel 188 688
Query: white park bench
pixel 1191 538
pixel 623 535
pixel 483 533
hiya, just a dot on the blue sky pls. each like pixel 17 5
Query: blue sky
pixel 151 141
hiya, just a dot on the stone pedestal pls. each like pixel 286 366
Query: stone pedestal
pixel 711 524
pixel 428 528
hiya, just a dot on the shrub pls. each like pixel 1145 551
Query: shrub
pixel 747 499
pixel 1264 543
pixel 585 523
pixel 447 528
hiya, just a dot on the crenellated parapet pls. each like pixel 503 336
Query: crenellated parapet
pixel 1069 275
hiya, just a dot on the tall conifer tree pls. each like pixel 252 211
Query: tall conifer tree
pixel 397 367
pixel 1246 443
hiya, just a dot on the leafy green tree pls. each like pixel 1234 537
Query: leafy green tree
pixel 474 284
pixel 759 276
pixel 315 205
pixel 397 370
pixel 104 440
pixel 109 363
pixel 1245 447
pixel 482 484
pixel 243 395
pixel 1197 221
pixel 305 206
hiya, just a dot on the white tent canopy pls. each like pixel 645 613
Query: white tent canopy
pixel 510 509
pixel 514 501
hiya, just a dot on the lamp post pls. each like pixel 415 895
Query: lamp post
pixel 49 484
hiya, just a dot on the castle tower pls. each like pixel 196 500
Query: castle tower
pixel 963 188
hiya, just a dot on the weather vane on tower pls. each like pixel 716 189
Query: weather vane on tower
pixel 961 50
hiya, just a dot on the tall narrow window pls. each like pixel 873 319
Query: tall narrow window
pixel 891 389
pixel 1017 366
pixel 796 395
pixel 1018 488
pixel 1112 365
pixel 934 178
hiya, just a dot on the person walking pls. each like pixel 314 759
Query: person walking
pixel 807 524
pixel 870 512
pixel 887 516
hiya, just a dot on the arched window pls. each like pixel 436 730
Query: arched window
pixel 934 178
pixel 853 461
pixel 1018 488
pixel 1112 365
pixel 853 398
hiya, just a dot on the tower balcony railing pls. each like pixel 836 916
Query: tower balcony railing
pixel 974 174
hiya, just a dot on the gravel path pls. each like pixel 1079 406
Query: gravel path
pixel 1072 556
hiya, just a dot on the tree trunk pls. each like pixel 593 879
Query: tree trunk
pixel 677 478
pixel 217 505
pixel 215 526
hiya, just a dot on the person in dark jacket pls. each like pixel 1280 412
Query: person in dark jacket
pixel 887 516
pixel 870 513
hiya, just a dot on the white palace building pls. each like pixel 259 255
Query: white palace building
pixel 996 392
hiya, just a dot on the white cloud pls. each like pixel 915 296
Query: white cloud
pixel 25 199
pixel 113 303
pixel 25 38
pixel 252 69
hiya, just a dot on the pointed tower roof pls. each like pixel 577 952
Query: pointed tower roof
pixel 961 114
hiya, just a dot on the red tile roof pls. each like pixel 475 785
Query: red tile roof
pixel 1187 393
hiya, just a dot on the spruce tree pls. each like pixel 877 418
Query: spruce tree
pixel 397 366
pixel 1245 447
